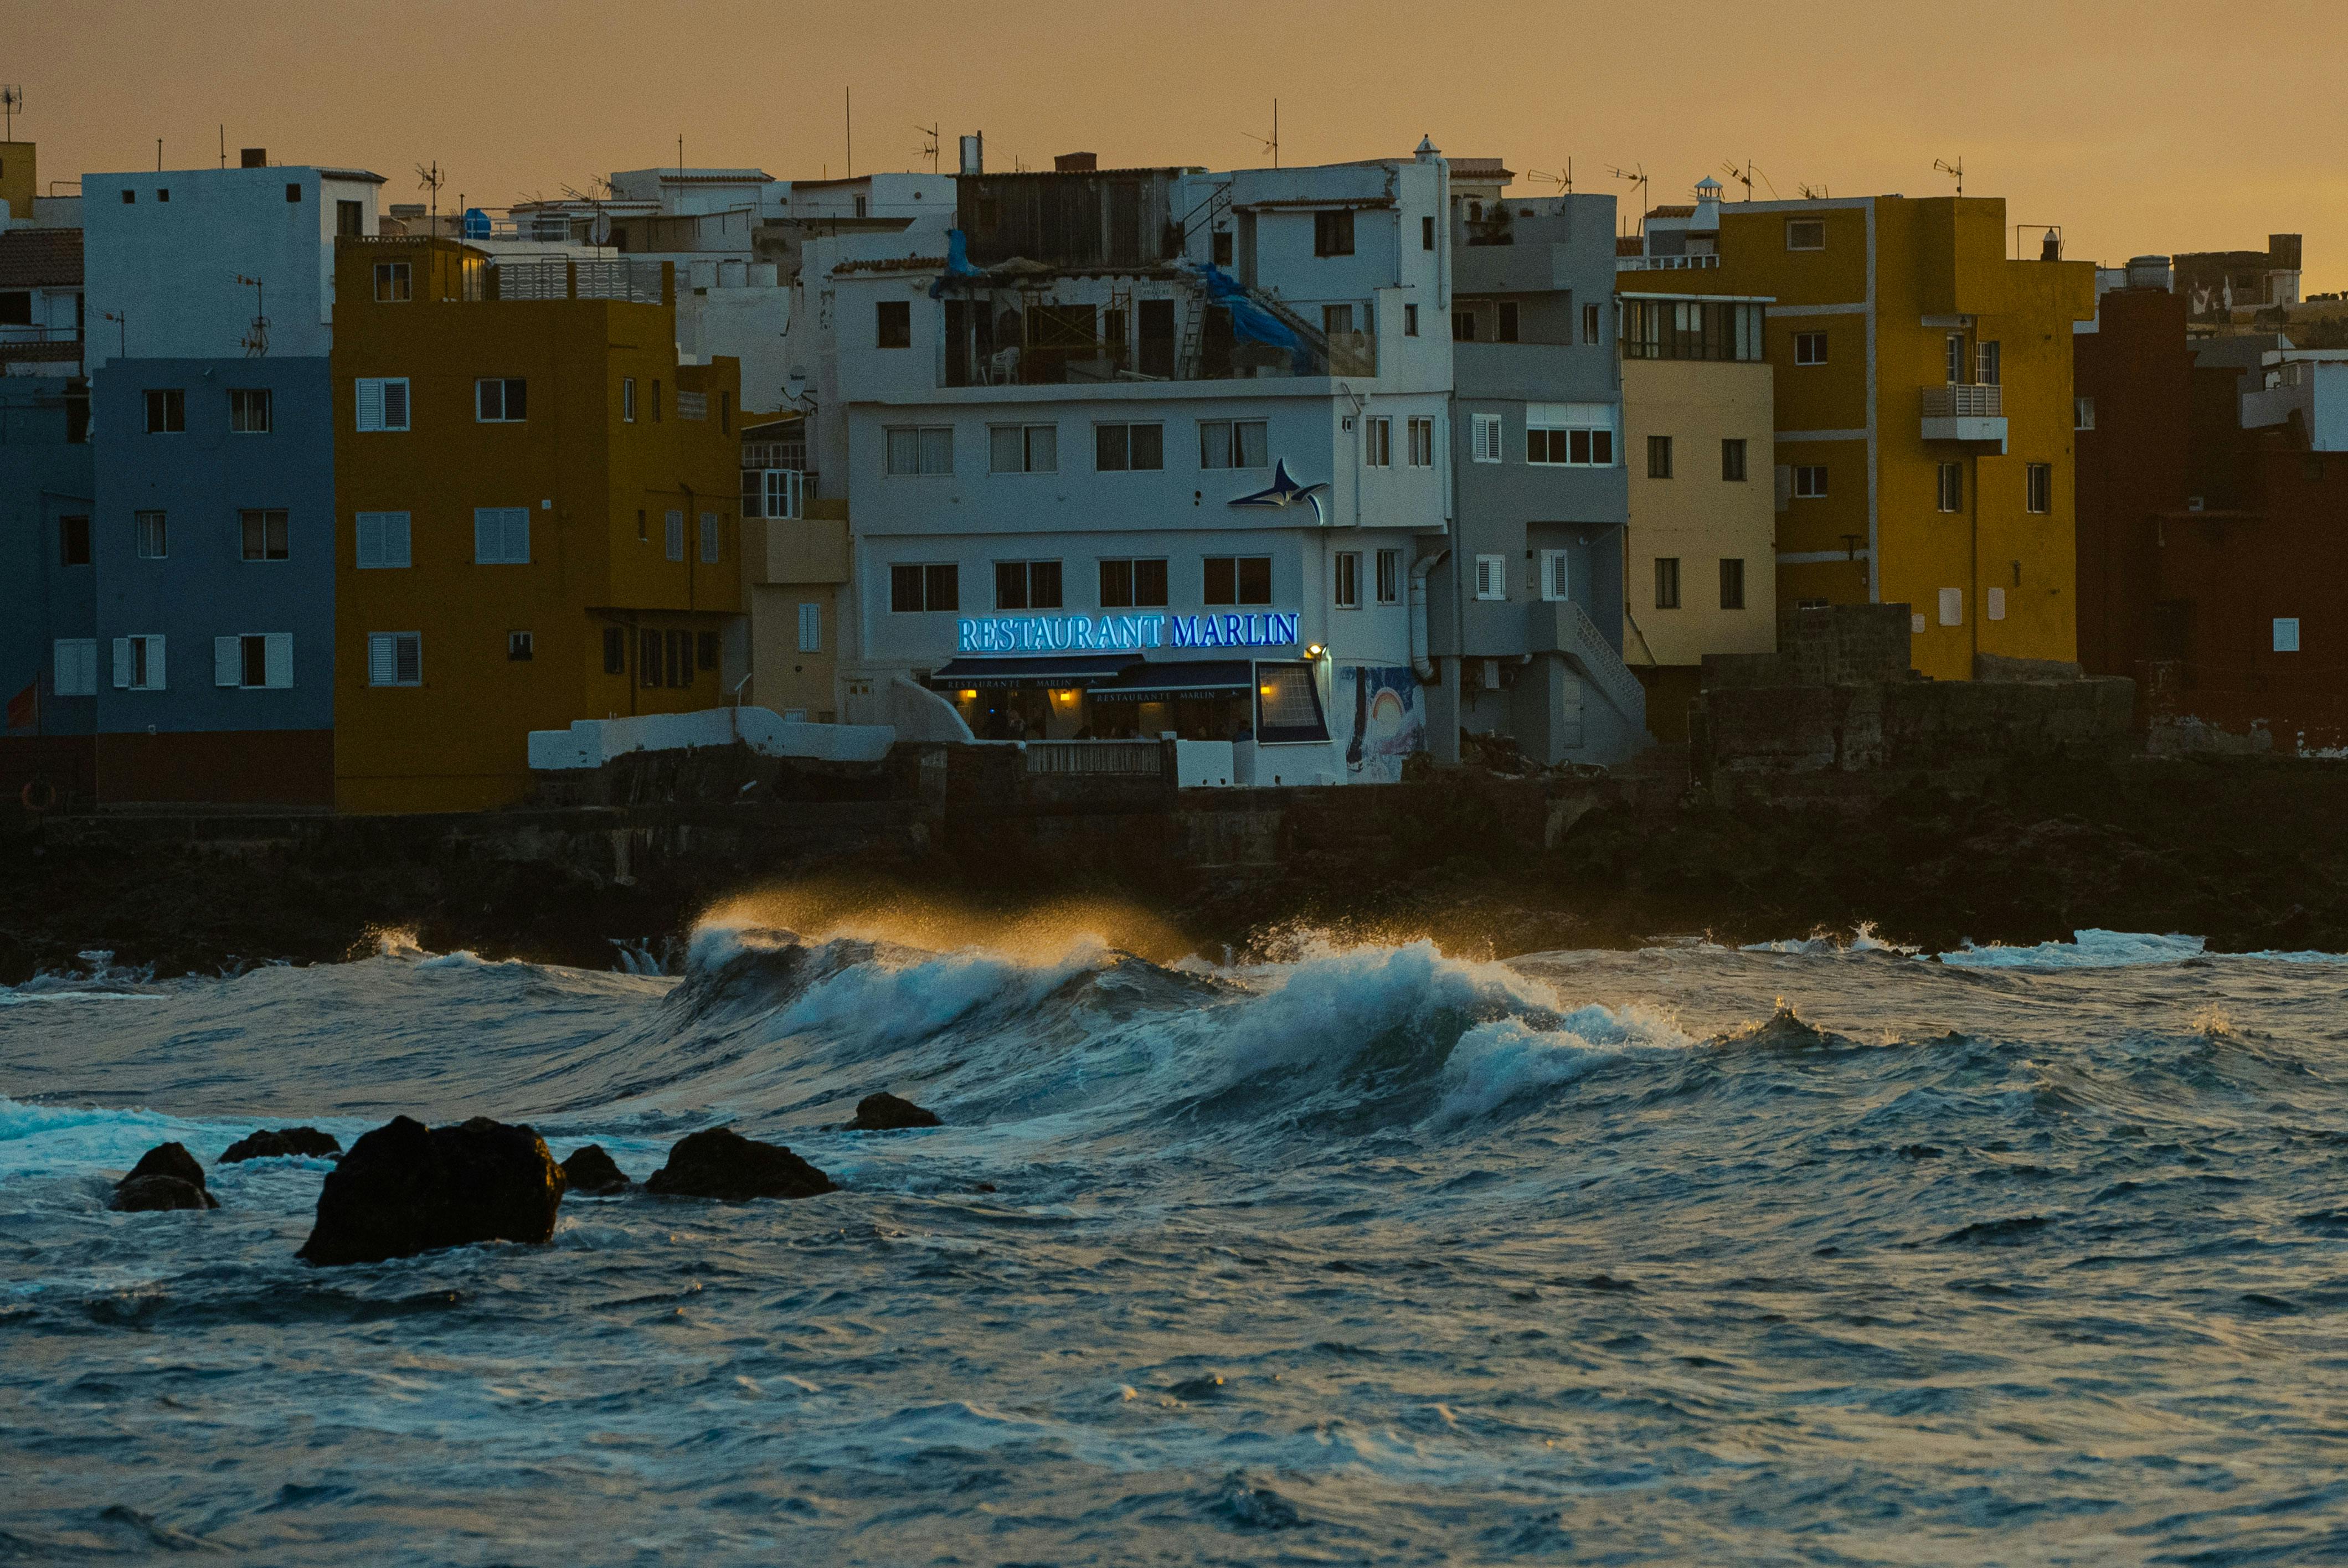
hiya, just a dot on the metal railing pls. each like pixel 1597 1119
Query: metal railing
pixel 1129 759
pixel 1971 402
pixel 1665 263
pixel 637 282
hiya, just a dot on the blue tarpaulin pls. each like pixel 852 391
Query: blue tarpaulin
pixel 1249 320
pixel 958 265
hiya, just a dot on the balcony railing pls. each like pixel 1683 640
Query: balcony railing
pixel 1664 263
pixel 1964 402
pixel 637 282
pixel 31 345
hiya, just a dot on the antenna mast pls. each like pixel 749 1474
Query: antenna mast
pixel 1956 171
pixel 930 147
pixel 1637 177
pixel 256 341
pixel 431 180
pixel 12 100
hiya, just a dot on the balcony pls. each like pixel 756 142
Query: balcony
pixel 31 345
pixel 1972 413
pixel 1665 263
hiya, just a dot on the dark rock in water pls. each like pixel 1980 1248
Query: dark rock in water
pixel 139 1194
pixel 591 1172
pixel 722 1164
pixel 266 1144
pixel 886 1113
pixel 406 1188
pixel 164 1163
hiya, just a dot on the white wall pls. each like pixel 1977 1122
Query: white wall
pixel 172 265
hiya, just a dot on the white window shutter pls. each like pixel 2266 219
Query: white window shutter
pixel 395 539
pixel 370 401
pixel 518 534
pixel 121 662
pixel 676 536
pixel 485 535
pixel 280 659
pixel 1953 607
pixel 382 664
pixel 1785 486
pixel 395 403
pixel 155 682
pixel 1996 605
pixel 810 628
pixel 370 537
pixel 709 550
pixel 227 663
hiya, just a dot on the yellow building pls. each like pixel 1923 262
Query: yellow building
pixel 1923 405
pixel 794 576
pixel 1700 570
pixel 536 514
pixel 20 178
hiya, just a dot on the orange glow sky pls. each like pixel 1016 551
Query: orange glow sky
pixel 2151 126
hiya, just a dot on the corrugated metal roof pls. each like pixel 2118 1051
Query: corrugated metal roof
pixel 40 259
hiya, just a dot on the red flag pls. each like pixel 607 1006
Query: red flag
pixel 25 707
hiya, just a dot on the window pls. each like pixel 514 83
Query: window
pixel 382 402
pixel 1577 434
pixel 1721 330
pixel 166 411
pixel 1507 321
pixel 17 307
pixel 1347 594
pixel 74 666
pixel 162 193
pixel 520 647
pixel 1590 323
pixel 394 659
pixel 1667 582
pixel 1422 442
pixel 500 401
pixel 627 400
pixel 810 628
pixel 1023 449
pixel 680 658
pixel 1953 487
pixel 249 410
pixel 1484 437
pixel 1731 460
pixel 1132 584
pixel 932 586
pixel 892 323
pixel 1462 326
pixel 673 535
pixel 926 450
pixel 643 535
pixel 712 539
pixel 253 660
pixel 292 191
pixel 1410 316
pixel 1427 234
pixel 1234 444
pixel 725 413
pixel 1805 234
pixel 1659 457
pixel 1986 364
pixel 1333 232
pixel 500 536
pixel 1809 481
pixel 1732 583
pixel 1222 248
pixel 1378 441
pixel 1809 348
pixel 1994 604
pixel 615 650
pixel 139 664
pixel 2286 634
pixel 2041 486
pixel 656 400
pixel 1491 577
pixel 1953 607
pixel 266 535
pixel 129 198
pixel 1119 448
pixel 1237 580
pixel 1336 320
pixel 1956 358
pixel 773 492
pixel 153 542
pixel 651 660
pixel 1554 575
pixel 711 650
pixel 394 283
pixel 1026 585
pixel 73 541
pixel 2082 413
pixel 1390 576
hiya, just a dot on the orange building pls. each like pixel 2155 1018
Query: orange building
pixel 536 514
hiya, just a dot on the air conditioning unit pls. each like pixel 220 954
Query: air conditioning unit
pixel 2192 503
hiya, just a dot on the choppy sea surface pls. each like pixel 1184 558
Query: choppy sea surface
pixel 2032 1256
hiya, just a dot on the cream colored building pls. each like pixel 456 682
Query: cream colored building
pixel 1700 557
pixel 794 573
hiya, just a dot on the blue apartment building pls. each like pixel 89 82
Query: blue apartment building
pixel 48 668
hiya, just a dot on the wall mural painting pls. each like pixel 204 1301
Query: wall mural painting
pixel 1384 718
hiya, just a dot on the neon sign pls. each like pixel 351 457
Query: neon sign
pixel 1114 633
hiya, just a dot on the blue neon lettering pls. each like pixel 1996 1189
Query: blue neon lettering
pixel 1080 632
pixel 1186 631
pixel 1230 631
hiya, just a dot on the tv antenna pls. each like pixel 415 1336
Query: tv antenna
pixel 121 319
pixel 1745 176
pixel 12 103
pixel 431 178
pixel 929 144
pixel 1562 181
pixel 1269 144
pixel 1955 170
pixel 1813 192
pixel 256 341
pixel 1637 177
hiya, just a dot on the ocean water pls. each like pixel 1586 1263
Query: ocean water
pixel 1816 1254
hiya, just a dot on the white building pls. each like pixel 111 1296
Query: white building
pixel 1165 450
pixel 172 259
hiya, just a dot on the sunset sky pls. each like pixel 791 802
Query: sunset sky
pixel 2151 126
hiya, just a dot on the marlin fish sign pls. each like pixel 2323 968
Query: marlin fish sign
pixel 1284 491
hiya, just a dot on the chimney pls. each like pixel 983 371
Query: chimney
pixel 2050 246
pixel 973 153
pixel 253 157
pixel 2282 252
pixel 1077 163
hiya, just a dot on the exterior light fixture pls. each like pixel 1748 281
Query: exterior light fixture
pixel 1316 652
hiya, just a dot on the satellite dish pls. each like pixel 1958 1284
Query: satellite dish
pixel 599 233
pixel 477 223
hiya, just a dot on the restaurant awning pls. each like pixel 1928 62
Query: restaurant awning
pixel 1083 670
pixel 1171 679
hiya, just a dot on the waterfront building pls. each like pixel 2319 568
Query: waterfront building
pixel 536 514
pixel 1923 404
pixel 48 647
pixel 1530 604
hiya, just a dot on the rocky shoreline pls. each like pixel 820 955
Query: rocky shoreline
pixel 2249 852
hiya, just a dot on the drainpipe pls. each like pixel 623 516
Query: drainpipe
pixel 1420 663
